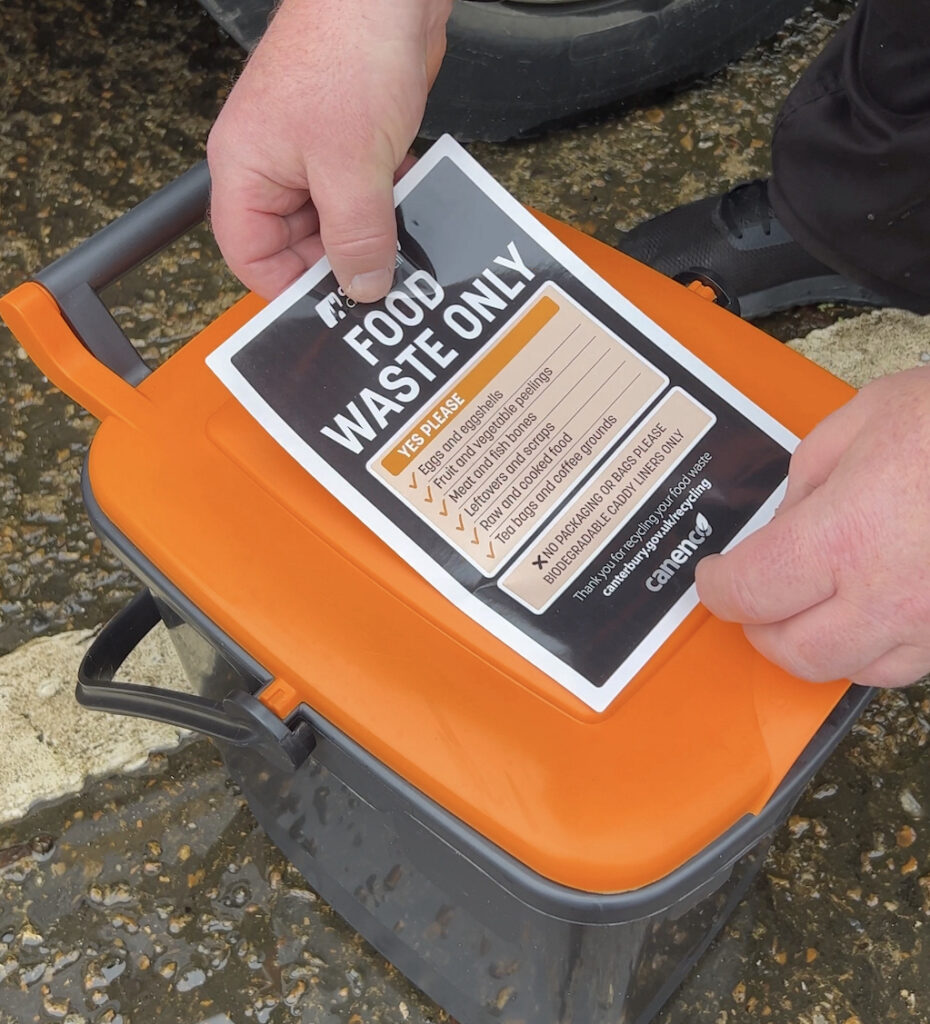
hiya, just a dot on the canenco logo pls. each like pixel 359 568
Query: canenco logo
pixel 680 555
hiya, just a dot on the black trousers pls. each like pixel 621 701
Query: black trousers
pixel 851 152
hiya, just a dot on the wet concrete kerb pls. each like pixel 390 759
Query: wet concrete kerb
pixel 52 745
pixel 876 343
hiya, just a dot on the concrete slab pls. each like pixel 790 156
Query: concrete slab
pixel 51 744
pixel 865 347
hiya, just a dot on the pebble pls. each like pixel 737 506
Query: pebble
pixel 61 960
pixel 56 1008
pixel 797 825
pixel 28 936
pixel 910 804
pixel 906 836
pixel 168 970
pixel 295 994
pixel 504 996
pixel 190 979
pixel 30 975
pixel 111 895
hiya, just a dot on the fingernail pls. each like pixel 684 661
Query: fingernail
pixel 371 286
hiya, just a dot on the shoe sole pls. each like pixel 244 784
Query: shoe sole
pixel 809 292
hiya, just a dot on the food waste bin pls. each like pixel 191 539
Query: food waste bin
pixel 519 856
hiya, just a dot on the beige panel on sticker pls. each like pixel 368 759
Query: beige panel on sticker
pixel 601 508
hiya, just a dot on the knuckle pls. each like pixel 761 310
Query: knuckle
pixel 805 660
pixel 745 597
pixel 855 541
pixel 359 243
pixel 879 677
pixel 220 141
pixel 793 653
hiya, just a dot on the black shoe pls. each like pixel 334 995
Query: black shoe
pixel 736 243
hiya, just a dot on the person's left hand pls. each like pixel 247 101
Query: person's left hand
pixel 837 585
pixel 305 152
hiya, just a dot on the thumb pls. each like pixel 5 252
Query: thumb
pixel 358 226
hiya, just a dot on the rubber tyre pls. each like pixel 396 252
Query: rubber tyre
pixel 513 68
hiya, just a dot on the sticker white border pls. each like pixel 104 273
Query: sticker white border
pixel 598 698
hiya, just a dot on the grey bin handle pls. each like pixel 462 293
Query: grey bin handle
pixel 75 279
pixel 239 719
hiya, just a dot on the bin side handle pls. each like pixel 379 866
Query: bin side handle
pixel 239 719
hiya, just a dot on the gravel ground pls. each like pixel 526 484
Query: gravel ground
pixel 155 897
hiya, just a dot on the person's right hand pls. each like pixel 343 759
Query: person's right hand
pixel 305 152
pixel 837 585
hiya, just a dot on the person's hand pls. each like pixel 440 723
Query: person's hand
pixel 304 153
pixel 837 585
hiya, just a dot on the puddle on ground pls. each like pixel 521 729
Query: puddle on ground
pixel 157 899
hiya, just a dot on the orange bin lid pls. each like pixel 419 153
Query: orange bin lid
pixel 601 802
